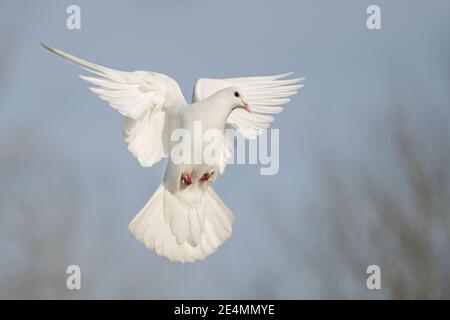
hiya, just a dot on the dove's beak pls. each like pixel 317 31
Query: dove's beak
pixel 246 106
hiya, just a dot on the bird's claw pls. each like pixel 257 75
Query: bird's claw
pixel 206 176
pixel 186 178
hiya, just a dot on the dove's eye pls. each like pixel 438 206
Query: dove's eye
pixel 236 94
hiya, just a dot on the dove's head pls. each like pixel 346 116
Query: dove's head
pixel 235 98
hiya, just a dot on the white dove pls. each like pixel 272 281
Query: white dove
pixel 185 220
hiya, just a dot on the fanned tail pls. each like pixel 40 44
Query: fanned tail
pixel 191 233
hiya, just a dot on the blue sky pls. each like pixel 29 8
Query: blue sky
pixel 351 76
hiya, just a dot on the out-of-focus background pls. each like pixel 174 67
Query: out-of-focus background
pixel 364 150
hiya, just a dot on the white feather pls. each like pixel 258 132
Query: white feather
pixel 151 228
pixel 143 97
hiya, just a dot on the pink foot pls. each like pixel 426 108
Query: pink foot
pixel 186 178
pixel 206 176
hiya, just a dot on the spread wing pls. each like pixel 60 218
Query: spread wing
pixel 143 97
pixel 266 96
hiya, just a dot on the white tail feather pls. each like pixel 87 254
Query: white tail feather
pixel 208 227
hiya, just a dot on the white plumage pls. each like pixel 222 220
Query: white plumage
pixel 185 220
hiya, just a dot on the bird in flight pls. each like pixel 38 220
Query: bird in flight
pixel 185 219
